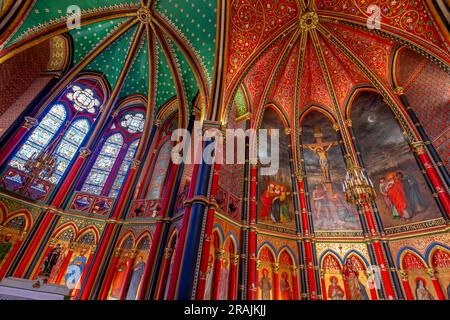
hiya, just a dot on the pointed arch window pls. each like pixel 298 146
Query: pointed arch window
pixel 104 164
pixel 41 136
pixel 44 155
pixel 124 168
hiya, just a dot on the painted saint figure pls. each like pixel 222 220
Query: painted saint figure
pixel 267 199
pixel 285 288
pixel 209 278
pixel 138 271
pixel 50 261
pixel 265 285
pixel 384 188
pixel 5 247
pixel 396 193
pixel 356 289
pixel 75 270
pixel 422 292
pixel 57 268
pixel 335 291
pixel 119 278
pixel 416 203
pixel 223 280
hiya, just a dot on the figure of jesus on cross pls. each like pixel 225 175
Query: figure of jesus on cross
pixel 321 148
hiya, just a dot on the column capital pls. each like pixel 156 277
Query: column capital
pixel 220 254
pixel 403 274
pixel 399 91
pixel 29 123
pixel 168 253
pixel 336 126
pixel 431 272
pixel 349 122
pixel 276 267
pixel 418 147
pixel 135 164
pixel 85 152
pixel 235 259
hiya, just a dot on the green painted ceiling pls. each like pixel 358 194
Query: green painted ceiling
pixel 45 13
pixel 194 22
pixel 111 61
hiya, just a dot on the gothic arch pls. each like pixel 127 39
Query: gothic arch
pixel 320 109
pixel 279 112
pixel 88 230
pixel 433 249
pixel 270 250
pixel 125 237
pixel 218 237
pixel 404 252
pixel 67 226
pixel 330 254
pixel 287 250
pixel 28 219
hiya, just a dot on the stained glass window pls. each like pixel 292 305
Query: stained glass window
pixel 103 165
pixel 133 122
pixel 69 145
pixel 41 136
pixel 124 167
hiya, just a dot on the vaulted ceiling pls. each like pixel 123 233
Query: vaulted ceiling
pixel 293 53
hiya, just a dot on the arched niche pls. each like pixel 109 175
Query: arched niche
pixel 403 196
pixel 325 171
pixel 274 180
pixel 265 273
pixel 286 275
pixel 418 278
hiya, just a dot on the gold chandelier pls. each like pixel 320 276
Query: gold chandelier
pixel 357 186
pixel 41 165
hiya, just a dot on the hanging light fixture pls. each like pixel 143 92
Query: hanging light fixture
pixel 357 186
pixel 41 165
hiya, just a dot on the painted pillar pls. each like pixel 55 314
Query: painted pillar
pixel 385 276
pixel 232 287
pixel 17 137
pixel 307 241
pixel 295 283
pixel 406 286
pixel 310 269
pixel 434 176
pixel 11 255
pixel 400 91
pixel 252 279
pixel 437 286
pixel 322 283
pixel 276 281
pixel 109 276
pixel 163 281
pixel 172 282
pixel 217 270
pixel 200 293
